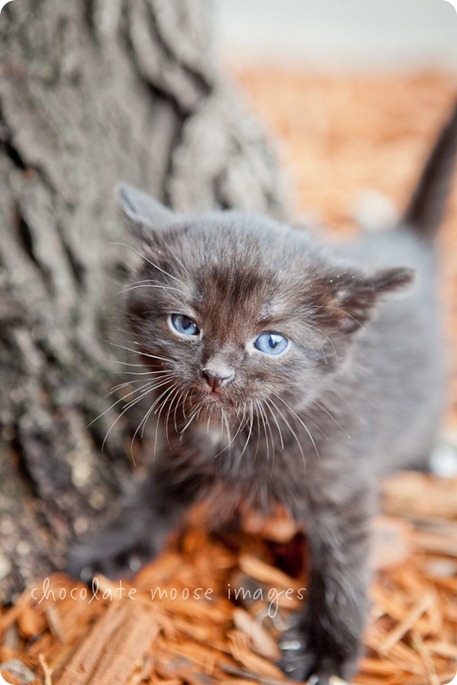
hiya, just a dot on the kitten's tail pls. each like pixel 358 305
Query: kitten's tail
pixel 428 203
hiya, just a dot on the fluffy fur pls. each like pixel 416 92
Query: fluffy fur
pixel 357 393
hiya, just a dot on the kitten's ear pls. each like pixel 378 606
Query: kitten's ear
pixel 351 298
pixel 145 215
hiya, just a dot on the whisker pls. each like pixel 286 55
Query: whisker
pixel 231 439
pixel 262 416
pixel 126 408
pixel 128 383
pixel 143 256
pixel 174 399
pixel 251 425
pixel 179 403
pixel 343 311
pixel 267 404
pixel 144 354
pixel 331 417
pixel 159 410
pixel 121 399
pixel 142 373
pixel 157 407
pixel 227 426
pixel 147 280
pixel 183 406
pixel 258 434
pixel 316 328
pixel 150 410
pixel 292 432
pixel 193 415
pixel 119 361
pixel 241 425
pixel 270 432
pixel 139 285
pixel 300 421
pixel 142 425
pixel 221 429
pixel 175 257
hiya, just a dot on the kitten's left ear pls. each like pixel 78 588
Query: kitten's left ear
pixel 145 214
pixel 351 298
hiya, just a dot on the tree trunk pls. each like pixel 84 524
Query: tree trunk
pixel 93 92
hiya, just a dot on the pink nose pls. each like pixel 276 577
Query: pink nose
pixel 217 379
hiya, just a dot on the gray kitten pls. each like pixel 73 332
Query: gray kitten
pixel 286 372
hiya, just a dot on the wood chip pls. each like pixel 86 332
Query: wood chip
pixel 266 574
pixel 117 642
pixel 262 641
pixel 408 622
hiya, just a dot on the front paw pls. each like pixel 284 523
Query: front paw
pixel 309 653
pixel 117 550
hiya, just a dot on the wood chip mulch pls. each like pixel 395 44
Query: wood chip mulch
pixel 209 610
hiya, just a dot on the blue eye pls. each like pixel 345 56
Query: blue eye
pixel 183 325
pixel 271 343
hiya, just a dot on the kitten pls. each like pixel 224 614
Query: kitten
pixel 285 372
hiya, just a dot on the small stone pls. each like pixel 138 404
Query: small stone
pixel 23 548
pixel 5 566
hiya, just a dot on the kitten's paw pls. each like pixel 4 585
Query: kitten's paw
pixel 303 657
pixel 120 549
pixel 94 556
pixel 298 659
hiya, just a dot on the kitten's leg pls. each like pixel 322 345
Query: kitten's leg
pixel 138 532
pixel 326 637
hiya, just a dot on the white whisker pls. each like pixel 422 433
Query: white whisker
pixel 126 408
pixel 121 399
pixel 291 430
pixel 140 285
pixel 144 354
pixel 119 361
pixel 251 425
pixel 143 373
pixel 331 417
pixel 292 411
pixel 143 256
pixel 267 404
pixel 260 413
pixel 129 383
pixel 193 415
pixel 179 404
pixel 270 432
pixel 174 399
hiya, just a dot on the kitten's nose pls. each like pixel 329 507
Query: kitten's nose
pixel 217 378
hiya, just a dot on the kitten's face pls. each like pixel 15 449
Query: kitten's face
pixel 219 313
pixel 233 312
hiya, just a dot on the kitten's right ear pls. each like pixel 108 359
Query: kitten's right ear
pixel 145 215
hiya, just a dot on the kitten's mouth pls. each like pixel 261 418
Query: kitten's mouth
pixel 216 398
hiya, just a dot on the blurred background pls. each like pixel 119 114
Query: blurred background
pixel 340 34
pixel 353 92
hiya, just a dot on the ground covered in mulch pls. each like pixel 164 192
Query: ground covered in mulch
pixel 209 609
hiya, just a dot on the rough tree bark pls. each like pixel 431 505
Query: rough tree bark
pixel 93 92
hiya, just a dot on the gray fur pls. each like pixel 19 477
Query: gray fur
pixel 142 211
pixel 358 393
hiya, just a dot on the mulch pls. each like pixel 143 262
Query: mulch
pixel 209 609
